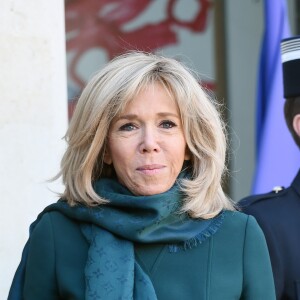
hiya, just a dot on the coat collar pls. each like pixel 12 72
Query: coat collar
pixel 296 183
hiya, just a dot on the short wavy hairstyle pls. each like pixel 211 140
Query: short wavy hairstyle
pixel 106 95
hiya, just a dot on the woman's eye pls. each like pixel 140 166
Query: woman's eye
pixel 127 127
pixel 167 124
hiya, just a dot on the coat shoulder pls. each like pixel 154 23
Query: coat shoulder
pixel 59 226
pixel 57 219
pixel 238 221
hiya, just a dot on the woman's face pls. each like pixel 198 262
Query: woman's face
pixel 146 144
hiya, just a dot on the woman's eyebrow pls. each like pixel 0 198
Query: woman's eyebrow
pixel 168 114
pixel 127 117
pixel 135 116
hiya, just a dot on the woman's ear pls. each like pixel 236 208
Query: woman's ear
pixel 187 155
pixel 296 124
pixel 107 157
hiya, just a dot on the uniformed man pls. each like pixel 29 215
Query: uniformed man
pixel 278 212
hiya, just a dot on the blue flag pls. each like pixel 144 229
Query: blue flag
pixel 277 156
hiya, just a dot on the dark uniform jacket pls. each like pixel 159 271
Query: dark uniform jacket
pixel 278 214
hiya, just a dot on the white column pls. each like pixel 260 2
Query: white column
pixel 33 119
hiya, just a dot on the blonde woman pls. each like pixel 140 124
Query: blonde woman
pixel 143 214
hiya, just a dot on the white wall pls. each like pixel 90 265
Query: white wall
pixel 33 119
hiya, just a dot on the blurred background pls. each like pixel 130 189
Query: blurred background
pixel 50 49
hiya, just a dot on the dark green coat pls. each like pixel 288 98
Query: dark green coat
pixel 232 264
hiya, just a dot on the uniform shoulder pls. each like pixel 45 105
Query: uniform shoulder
pixel 276 193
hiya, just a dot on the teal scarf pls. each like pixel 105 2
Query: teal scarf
pixel 111 270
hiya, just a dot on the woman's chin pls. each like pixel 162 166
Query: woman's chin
pixel 150 190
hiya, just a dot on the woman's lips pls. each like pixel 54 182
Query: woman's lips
pixel 150 169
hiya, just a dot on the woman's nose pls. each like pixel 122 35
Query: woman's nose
pixel 149 141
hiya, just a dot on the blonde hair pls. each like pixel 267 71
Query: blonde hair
pixel 106 95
